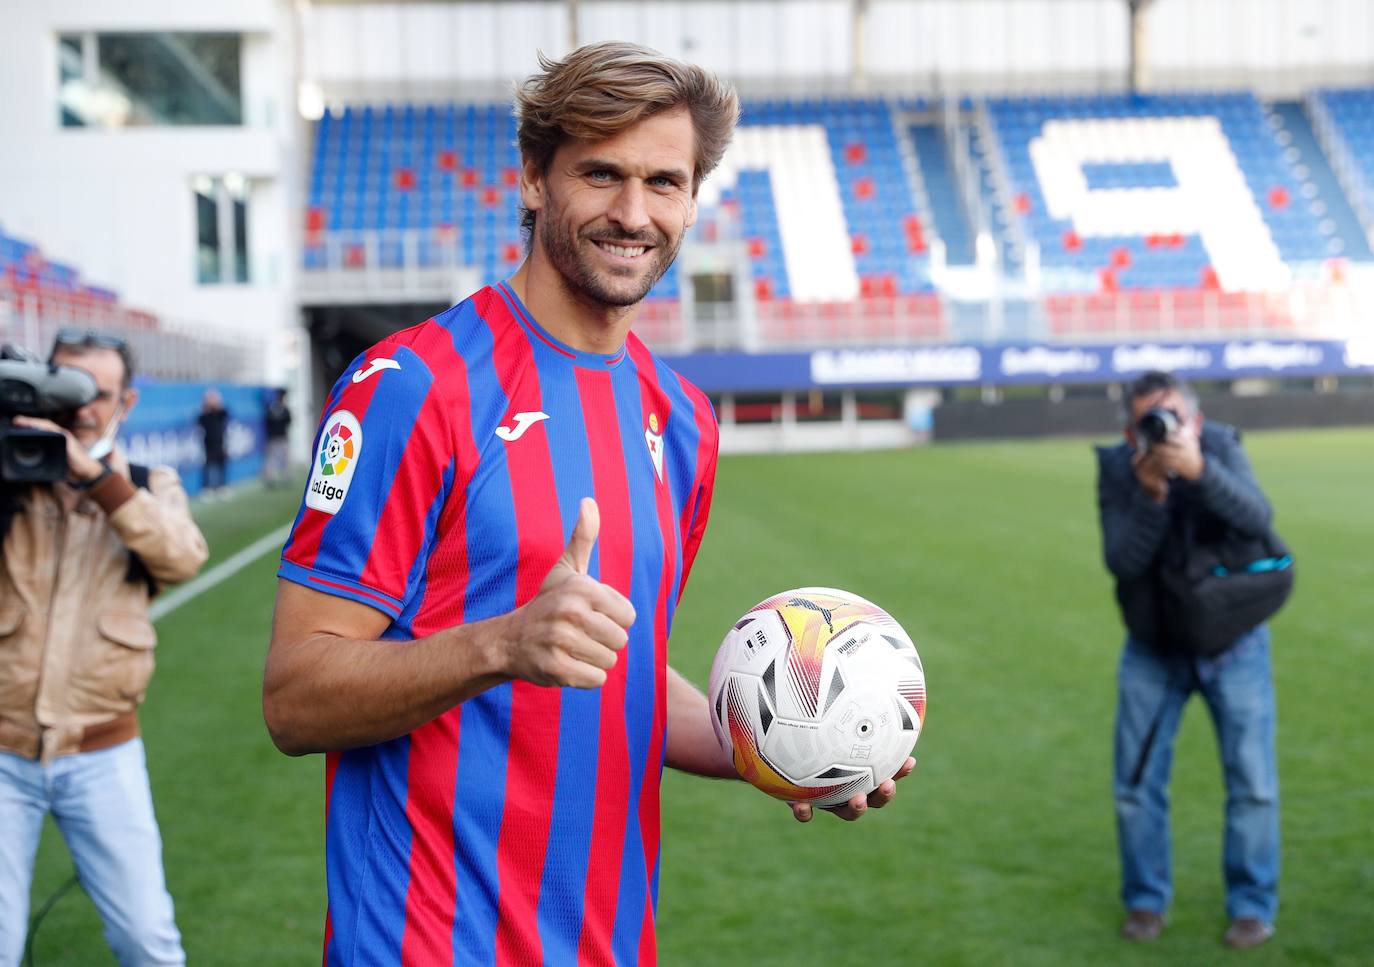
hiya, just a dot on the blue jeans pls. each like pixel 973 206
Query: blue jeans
pixel 1239 691
pixel 103 806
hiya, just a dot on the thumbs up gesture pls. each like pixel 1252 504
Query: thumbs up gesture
pixel 571 631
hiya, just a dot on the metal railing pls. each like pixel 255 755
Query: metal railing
pixel 162 349
pixel 1311 311
pixel 365 265
pixel 420 264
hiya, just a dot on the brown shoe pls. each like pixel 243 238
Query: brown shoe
pixel 1246 932
pixel 1142 925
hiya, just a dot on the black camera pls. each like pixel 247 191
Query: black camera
pixel 31 388
pixel 1156 426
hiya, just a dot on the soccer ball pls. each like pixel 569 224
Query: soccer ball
pixel 818 695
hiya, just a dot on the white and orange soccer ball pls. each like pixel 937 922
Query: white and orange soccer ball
pixel 818 694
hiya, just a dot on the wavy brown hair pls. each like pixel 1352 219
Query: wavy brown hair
pixel 600 90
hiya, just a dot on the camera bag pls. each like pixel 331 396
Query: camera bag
pixel 1220 585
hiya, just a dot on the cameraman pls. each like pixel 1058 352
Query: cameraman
pixel 81 561
pixel 1151 492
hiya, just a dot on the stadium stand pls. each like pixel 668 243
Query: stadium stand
pixel 436 185
pixel 1087 186
pixel 30 282
pixel 384 172
pixel 1057 150
pixel 39 296
pixel 821 273
pixel 1345 121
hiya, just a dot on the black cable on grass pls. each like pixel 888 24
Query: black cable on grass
pixel 38 917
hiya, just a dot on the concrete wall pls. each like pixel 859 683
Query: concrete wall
pixel 1101 417
pixel 118 205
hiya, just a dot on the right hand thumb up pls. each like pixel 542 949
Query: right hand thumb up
pixel 578 554
pixel 570 632
pixel 575 562
pixel 576 557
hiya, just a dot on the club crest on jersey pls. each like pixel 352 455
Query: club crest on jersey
pixel 653 438
pixel 341 444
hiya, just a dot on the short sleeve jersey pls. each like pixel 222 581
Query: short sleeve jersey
pixel 522 826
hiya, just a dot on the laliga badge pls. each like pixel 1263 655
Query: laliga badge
pixel 654 438
pixel 340 446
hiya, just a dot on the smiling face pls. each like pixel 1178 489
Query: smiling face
pixel 610 215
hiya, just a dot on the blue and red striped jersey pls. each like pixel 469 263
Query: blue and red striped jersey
pixel 522 826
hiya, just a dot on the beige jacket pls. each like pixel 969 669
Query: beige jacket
pixel 76 642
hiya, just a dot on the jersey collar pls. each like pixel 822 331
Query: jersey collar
pixel 538 332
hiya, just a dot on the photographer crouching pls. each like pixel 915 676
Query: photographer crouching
pixel 1186 533
pixel 88 541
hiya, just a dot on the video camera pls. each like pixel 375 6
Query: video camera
pixel 32 388
pixel 1156 426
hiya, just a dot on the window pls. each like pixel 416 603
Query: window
pixel 139 80
pixel 221 228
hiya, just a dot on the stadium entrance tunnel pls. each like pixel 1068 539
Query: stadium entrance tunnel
pixel 339 333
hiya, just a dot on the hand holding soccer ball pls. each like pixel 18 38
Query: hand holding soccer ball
pixel 819 696
pixel 859 804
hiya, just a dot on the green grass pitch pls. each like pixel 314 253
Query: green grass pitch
pixel 999 849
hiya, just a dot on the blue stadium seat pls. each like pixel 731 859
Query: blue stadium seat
pixel 1143 261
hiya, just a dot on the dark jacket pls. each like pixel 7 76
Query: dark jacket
pixel 278 420
pixel 213 424
pixel 1138 534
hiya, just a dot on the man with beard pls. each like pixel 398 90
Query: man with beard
pixel 474 606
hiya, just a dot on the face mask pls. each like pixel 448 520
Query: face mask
pixel 101 448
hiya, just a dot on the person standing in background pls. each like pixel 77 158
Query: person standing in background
pixel 278 426
pixel 1151 496
pixel 213 421
pixel 81 561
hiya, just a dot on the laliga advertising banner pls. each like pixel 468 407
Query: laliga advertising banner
pixel 954 365
pixel 162 429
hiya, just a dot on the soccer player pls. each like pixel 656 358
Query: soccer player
pixel 475 601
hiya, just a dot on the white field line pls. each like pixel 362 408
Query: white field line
pixel 218 574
